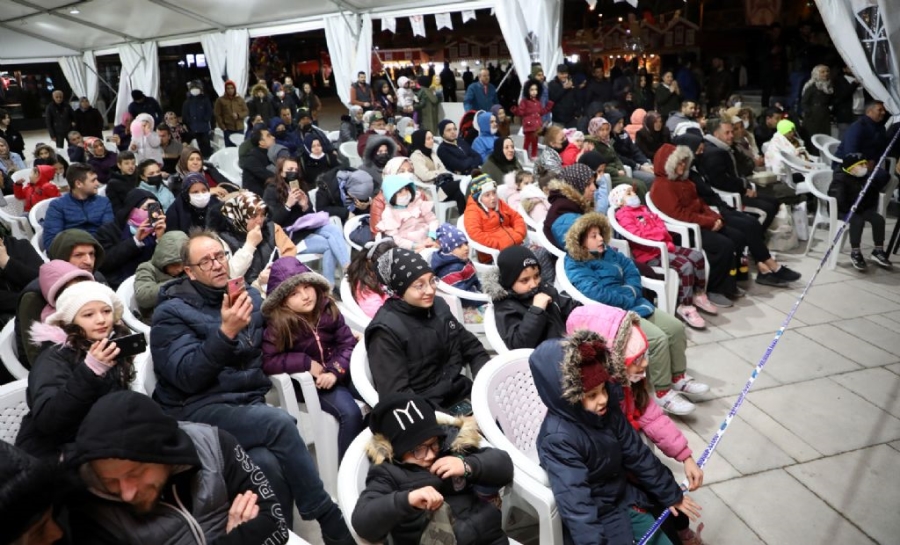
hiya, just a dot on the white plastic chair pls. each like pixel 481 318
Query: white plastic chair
pixel 491 332
pixel 334 136
pixel 806 168
pixel 536 233
pixel 126 295
pixel 37 214
pixel 361 375
pixel 237 139
pixel 353 314
pixel 37 242
pixel 885 196
pixel 826 214
pixel 226 161
pixel 13 408
pixel 352 478
pixel 455 297
pixel 348 150
pixel 311 195
pixel 8 352
pixel 509 413
pixel 111 147
pixel 144 375
pixel 351 226
pixel 822 142
pixel 441 208
pixel 475 247
pixel 14 215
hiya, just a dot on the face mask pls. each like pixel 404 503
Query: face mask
pixel 745 123
pixel 637 378
pixel 199 200
pixel 380 131
pixel 280 134
pixel 404 200
pixel 738 104
pixel 859 171
pixel 633 201
pixel 280 94
pixel 381 159
pixel 137 217
pixel 155 180
pixel 290 175
pixel 195 92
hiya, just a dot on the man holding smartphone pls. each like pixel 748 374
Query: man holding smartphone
pixel 565 100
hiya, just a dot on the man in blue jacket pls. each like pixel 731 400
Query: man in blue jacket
pixel 456 154
pixel 481 94
pixel 80 208
pixel 207 355
pixel 867 136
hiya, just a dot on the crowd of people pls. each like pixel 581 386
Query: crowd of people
pixel 219 273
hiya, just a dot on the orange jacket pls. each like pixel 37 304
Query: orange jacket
pixel 500 228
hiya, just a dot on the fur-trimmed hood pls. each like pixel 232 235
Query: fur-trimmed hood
pixel 372 145
pixel 614 325
pixel 490 284
pixel 579 228
pixel 461 435
pixel 668 157
pixel 570 193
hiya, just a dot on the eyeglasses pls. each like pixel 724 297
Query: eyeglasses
pixel 421 451
pixel 206 263
pixel 422 286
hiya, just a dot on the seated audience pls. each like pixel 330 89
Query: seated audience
pixel 628 152
pixel 314 160
pixel 101 160
pixel 171 148
pixel 75 150
pixel 254 165
pixel 344 191
pixel 408 217
pixel 352 125
pixel 549 158
pixel 165 265
pixel 454 152
pixel 785 140
pixel 652 135
pixel 10 161
pixel 151 180
pixel 489 221
pixel 19 265
pixel 191 208
pixel 192 161
pixel 502 160
pixel 378 152
pixel 122 179
pixel 486 124
pixel 32 498
pixel 366 287
pixel 287 138
pixel 131 238
pixel 570 197
pixel 602 139
pixel 80 208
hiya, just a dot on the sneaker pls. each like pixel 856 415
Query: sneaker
pixel 690 316
pixel 858 261
pixel 881 259
pixel 702 302
pixel 737 293
pixel 786 274
pixel 687 385
pixel 674 403
pixel 719 300
pixel 769 279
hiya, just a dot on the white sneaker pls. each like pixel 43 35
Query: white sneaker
pixel 688 385
pixel 674 403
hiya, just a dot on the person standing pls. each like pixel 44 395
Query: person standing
pixel 197 113
pixel 564 97
pixel 142 104
pixel 816 100
pixel 481 95
pixel 59 119
pixel 230 111
pixel 361 93
pixel 448 82
pixel 88 120
pixel 848 100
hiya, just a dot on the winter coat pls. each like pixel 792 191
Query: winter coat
pixel 459 273
pixel 363 141
pixel 103 166
pixel 780 143
pixel 422 350
pixel 254 170
pixel 548 160
pixel 330 344
pixel 122 251
pixel 43 189
pixel 496 229
pixel 521 324
pixel 642 222
pixel 329 197
pixel 225 109
pixel 61 391
pixel 569 156
pixel 67 212
pixel 565 102
pixel 195 363
pixel 197 114
pixel 458 157
pixel 677 197
pixel 564 201
pixel 649 141
pixel 816 110
pixel 14 139
pixel 183 216
pixel 531 111
pixel 615 325
pixel 59 119
pixel 151 275
pixel 368 158
pixel 118 186
pixel 23 267
pixel 717 164
pixel 611 278
pixel 484 143
pixel 260 106
pixel 426 168
pixel 383 507
pixel 160 192
pixel 411 225
pixel 533 201
pixel 666 101
pixel 283 216
pixel 846 188
pixel 863 136
pixel 89 122
pixel 498 172
pixel 592 460
pixel 148 105
pixel 476 98
pixel 429 109
pixel 349 130
pixel 628 151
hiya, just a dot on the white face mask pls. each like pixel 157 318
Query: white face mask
pixel 859 171
pixel 199 200
pixel 738 104
pixel 493 130
pixel 195 92
pixel 380 131
pixel 633 201
pixel 403 200
pixel 637 378
pixel 745 123
pixel 280 94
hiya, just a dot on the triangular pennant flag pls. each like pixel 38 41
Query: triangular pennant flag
pixel 468 15
pixel 418 25
pixel 389 23
pixel 443 20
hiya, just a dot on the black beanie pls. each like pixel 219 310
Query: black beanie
pixel 851 160
pixel 512 261
pixel 443 125
pixel 399 268
pixel 406 421
pixel 28 488
pixel 593 160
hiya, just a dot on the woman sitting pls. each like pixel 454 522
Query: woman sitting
pixel 314 159
pixel 653 134
pixel 570 197
pixel 428 168
pixel 408 217
pixel 785 140
pixel 192 161
pixel 190 208
pixel 490 221
pixel 100 159
pixel 601 133
pixel 549 159
pixel 502 160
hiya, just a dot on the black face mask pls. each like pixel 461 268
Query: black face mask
pixel 381 159
pixel 155 180
pixel 290 176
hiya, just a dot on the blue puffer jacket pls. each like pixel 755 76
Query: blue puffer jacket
pixel 195 363
pixel 587 456
pixel 484 143
pixel 611 278
pixel 67 212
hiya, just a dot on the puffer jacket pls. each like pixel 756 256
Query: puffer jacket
pixel 195 363
pixel 383 508
pixel 197 113
pixel 521 324
pixel 43 189
pixel 484 143
pixel 637 122
pixel 151 275
pixel 566 205
pixel 642 222
pixel 677 196
pixel 368 158
pixel 411 225
pixel 496 229
pixel 225 109
pixel 611 278
pixel 591 460
pixel 459 273
pixel 615 325
pixel 422 350
pixel 67 212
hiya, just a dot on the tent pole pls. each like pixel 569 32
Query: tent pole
pixel 386 76
pixel 508 72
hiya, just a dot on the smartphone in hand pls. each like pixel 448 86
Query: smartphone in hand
pixel 295 185
pixel 236 286
pixel 131 345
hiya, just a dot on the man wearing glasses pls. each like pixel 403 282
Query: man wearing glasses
pixel 206 344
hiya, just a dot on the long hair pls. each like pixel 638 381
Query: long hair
pixel 361 272
pixel 281 186
pixel 78 341
pixel 641 394
pixel 527 88
pixel 285 323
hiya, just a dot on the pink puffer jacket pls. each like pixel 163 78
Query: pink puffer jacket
pixel 642 222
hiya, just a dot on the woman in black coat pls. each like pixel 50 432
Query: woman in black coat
pixel 192 204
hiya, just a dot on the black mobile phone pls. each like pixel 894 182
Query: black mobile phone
pixel 153 211
pixel 131 345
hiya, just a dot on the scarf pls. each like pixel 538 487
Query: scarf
pixel 594 128
pixel 241 208
pixel 418 143
pixel 500 159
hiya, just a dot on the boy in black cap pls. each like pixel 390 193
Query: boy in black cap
pixel 415 344
pixel 425 466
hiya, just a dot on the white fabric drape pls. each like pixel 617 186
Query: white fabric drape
pixel 542 22
pixel 140 70
pixel 546 25
pixel 349 54
pixel 846 32
pixel 92 80
pixel 74 71
pixel 227 56
pixel 512 23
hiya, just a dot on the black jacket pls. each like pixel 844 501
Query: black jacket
pixel 15 140
pixel 23 267
pixel 846 188
pixel 183 216
pixel 328 196
pixel 383 508
pixel 253 170
pixel 122 254
pixel 565 102
pixel 649 142
pixel 718 166
pixel 628 151
pixel 59 119
pixel 118 186
pixel 421 350
pixel 89 122
pixel 459 158
pixel 521 324
pixel 842 102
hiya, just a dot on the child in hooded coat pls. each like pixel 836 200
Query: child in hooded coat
pixel 486 124
pixel 305 332
pixel 452 265
pixel 40 187
pixel 408 217
pixel 165 265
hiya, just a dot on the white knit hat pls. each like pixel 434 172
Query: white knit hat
pixel 76 296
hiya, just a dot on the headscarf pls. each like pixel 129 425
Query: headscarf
pixel 308 142
pixel 393 166
pixel 497 155
pixel 594 128
pixel 418 143
pixel 182 166
pixel 650 121
pixel 578 176
pixel 241 208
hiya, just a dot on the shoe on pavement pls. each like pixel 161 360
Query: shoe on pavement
pixel 858 261
pixel 786 274
pixel 738 293
pixel 690 316
pixel 702 302
pixel 687 385
pixel 769 279
pixel 674 403
pixel 881 259
pixel 719 300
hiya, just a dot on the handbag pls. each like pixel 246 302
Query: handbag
pixel 362 235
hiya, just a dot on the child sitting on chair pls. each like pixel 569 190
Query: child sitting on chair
pixel 452 265
pixel 39 187
pixel 421 485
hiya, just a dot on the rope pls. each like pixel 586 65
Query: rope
pixel 729 418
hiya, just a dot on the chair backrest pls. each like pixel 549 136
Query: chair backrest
pixel 509 410
pixel 819 187
pixel 38 212
pixel 311 194
pixel 829 151
pixel 237 138
pixel 126 295
pixel 821 140
pixel 37 242
pixel 334 136
pixel 564 284
pixel 348 150
pixel 144 376
pixel 361 374
pixel 351 226
pixel 353 314
pixel 111 146
pixel 799 165
pixel 474 246
pixel 491 332
pixel 8 353
pixel 13 408
pixel 352 476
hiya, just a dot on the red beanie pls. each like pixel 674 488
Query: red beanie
pixel 593 364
